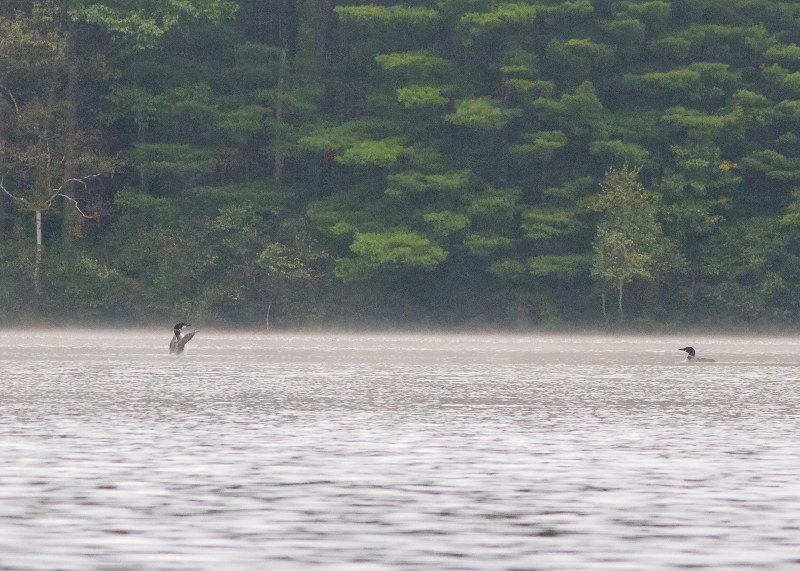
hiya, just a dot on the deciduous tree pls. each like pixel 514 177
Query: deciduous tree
pixel 630 243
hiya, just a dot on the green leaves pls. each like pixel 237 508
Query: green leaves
pixel 696 120
pixel 421 96
pixel 751 264
pixel 618 154
pixel 242 123
pixel 481 113
pixel 333 138
pixel 580 113
pixel 415 64
pixel 372 13
pixel 446 222
pixel 397 250
pixel 164 158
pixel 630 243
pixel 380 153
pixel 570 265
pixel 438 151
pixel 499 17
pixel 541 146
pixel 578 58
pixel 129 200
pixel 486 245
pixel 696 83
pixel 497 204
pixel 540 223
pixel 558 267
pixel 142 26
pixel 416 182
pixel 786 55
pixel 774 165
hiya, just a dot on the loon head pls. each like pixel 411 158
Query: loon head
pixel 693 359
pixel 179 327
pixel 178 342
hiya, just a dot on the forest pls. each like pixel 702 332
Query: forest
pixel 522 164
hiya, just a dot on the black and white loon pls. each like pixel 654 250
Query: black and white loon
pixel 690 357
pixel 179 342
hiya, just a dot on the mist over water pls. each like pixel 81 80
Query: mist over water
pixel 412 452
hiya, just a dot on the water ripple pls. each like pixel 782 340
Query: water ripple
pixel 396 452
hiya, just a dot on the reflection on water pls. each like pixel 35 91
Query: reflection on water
pixel 397 452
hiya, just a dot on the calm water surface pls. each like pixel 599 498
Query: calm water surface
pixel 261 452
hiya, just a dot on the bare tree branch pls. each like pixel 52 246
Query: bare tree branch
pixel 56 194
pixel 82 181
pixel 75 202
pixel 4 189
pixel 11 97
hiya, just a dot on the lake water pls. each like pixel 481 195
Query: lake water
pixel 401 452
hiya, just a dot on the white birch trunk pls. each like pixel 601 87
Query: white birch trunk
pixel 37 264
pixel 603 299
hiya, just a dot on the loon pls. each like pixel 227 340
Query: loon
pixel 690 357
pixel 178 342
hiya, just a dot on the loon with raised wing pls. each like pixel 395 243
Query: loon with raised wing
pixel 691 357
pixel 179 341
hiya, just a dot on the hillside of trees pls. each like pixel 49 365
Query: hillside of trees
pixel 459 163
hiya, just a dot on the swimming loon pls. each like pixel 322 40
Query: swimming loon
pixel 690 357
pixel 178 342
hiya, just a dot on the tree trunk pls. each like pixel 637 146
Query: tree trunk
pixel 621 314
pixel 141 136
pixel 603 299
pixel 313 34
pixel 321 168
pixel 278 173
pixel 37 264
pixel 69 220
pixel 3 210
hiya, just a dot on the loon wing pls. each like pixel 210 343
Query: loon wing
pixel 184 340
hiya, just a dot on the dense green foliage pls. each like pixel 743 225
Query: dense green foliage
pixel 441 164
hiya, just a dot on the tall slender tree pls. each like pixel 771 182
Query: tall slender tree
pixel 630 243
pixel 45 153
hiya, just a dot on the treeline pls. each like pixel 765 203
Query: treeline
pixel 482 163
